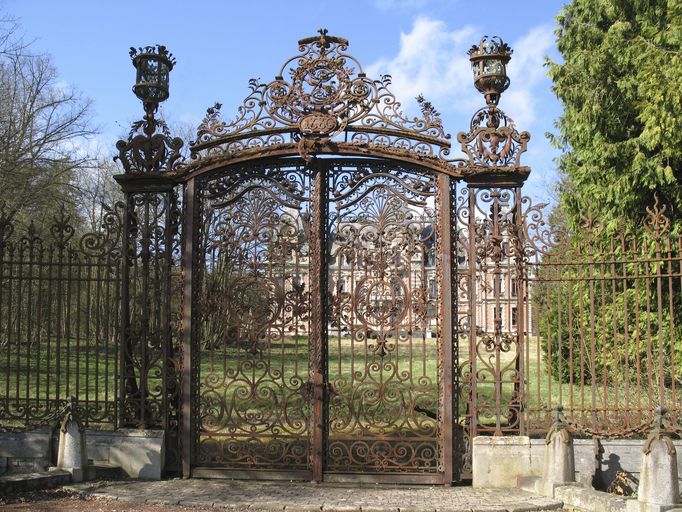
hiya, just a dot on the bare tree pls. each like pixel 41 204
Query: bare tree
pixel 97 188
pixel 43 129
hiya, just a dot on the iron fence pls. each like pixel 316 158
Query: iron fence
pixel 59 322
pixel 606 317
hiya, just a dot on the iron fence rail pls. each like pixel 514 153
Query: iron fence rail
pixel 59 323
pixel 607 313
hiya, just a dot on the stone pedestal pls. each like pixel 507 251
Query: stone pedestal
pixel 559 463
pixel 72 455
pixel 558 467
pixel 658 489
pixel 500 461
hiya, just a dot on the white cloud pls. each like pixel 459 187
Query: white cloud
pixel 433 61
pixel 527 72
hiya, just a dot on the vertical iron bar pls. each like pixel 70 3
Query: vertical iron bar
pixel 88 305
pixel 603 324
pixel 671 321
pixel 593 337
pixel 446 313
pixel 167 341
pixel 69 391
pixel 50 301
pixel 142 292
pixel 20 343
pixel 659 303
pixel 125 303
pixel 571 342
pixel 187 431
pixel 100 283
pixel 29 321
pixel 626 320
pixel 614 321
pixel 520 303
pixel 39 321
pixel 317 341
pixel 471 289
pixel 3 333
pixel 637 309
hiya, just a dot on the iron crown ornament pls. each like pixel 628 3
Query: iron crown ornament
pixel 489 60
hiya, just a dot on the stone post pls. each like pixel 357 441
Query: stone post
pixel 658 489
pixel 72 455
pixel 559 463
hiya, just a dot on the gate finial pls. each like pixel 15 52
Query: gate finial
pixel 493 145
pixel 489 64
pixel 149 147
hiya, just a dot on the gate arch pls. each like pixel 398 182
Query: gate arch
pixel 330 253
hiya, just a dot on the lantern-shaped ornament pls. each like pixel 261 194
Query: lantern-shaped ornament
pixel 153 65
pixel 489 64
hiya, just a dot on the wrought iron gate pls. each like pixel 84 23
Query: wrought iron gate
pixel 385 342
pixel 320 292
pixel 254 319
pixel 331 252
pixel 319 301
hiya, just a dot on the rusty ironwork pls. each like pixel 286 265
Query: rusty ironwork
pixel 604 313
pixel 314 345
pixel 489 59
pixel 59 321
pixel 150 358
pixel 322 293
pixel 384 339
pixel 321 101
pixel 344 266
pixel 253 311
pixel 149 147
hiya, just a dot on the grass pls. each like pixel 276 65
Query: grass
pixel 406 376
pixel 36 379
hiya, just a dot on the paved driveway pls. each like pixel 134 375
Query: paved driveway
pixel 306 497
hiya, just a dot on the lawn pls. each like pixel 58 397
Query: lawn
pixel 391 394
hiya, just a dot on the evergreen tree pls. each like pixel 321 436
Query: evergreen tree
pixel 621 129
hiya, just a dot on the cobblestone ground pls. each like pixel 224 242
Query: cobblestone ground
pixel 308 497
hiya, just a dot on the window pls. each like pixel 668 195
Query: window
pixel 514 317
pixel 514 286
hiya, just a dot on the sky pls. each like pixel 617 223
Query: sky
pixel 422 44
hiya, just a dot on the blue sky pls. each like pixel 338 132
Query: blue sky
pixel 220 45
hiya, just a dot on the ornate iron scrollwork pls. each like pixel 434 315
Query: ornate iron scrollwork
pixel 145 150
pixel 316 96
pixel 493 143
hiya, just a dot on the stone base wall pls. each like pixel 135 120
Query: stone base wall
pixel 498 461
pixel 139 453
